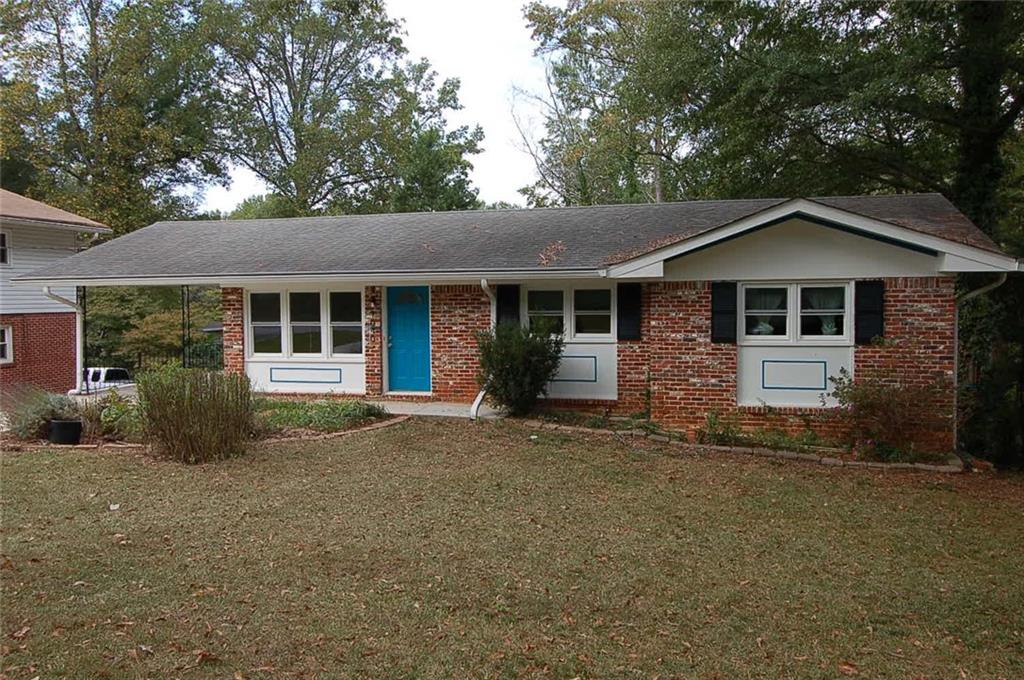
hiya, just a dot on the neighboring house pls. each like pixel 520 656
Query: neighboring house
pixel 746 307
pixel 38 343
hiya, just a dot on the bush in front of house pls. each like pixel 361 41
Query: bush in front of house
pixel 516 365
pixel 891 420
pixel 196 416
pixel 29 410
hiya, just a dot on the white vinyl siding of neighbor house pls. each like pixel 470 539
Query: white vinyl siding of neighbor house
pixel 29 248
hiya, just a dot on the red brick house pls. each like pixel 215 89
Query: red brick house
pixel 745 307
pixel 38 341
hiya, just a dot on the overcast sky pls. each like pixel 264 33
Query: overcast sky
pixel 484 43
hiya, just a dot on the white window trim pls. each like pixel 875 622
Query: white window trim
pixel 6 248
pixel 569 311
pixel 792 314
pixel 326 350
pixel 9 342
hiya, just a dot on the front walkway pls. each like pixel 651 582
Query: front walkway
pixel 442 409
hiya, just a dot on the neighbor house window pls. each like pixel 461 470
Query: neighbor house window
pixel 346 323
pixel 592 311
pixel 765 311
pixel 546 308
pixel 822 311
pixel 265 322
pixel 5 254
pixel 304 319
pixel 6 345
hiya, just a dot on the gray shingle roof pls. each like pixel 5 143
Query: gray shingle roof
pixel 500 240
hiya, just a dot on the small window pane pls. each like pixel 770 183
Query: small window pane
pixel 265 307
pixel 593 300
pixel 347 340
pixel 594 323
pixel 306 339
pixel 544 301
pixel 762 324
pixel 266 339
pixel 552 323
pixel 821 324
pixel 345 307
pixel 304 307
pixel 829 299
pixel 765 299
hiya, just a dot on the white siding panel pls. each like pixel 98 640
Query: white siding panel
pixel 307 377
pixel 800 250
pixel 587 371
pixel 31 248
pixel 792 375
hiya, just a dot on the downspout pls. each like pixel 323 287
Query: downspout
pixel 79 334
pixel 960 300
pixel 474 410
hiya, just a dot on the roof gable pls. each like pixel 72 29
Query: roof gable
pixel 15 207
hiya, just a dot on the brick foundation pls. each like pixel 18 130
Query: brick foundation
pixel 44 351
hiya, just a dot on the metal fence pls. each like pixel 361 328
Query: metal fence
pixel 119 371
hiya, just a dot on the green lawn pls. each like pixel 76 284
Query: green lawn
pixel 451 549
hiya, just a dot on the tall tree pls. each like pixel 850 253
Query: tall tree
pixel 320 104
pixel 113 103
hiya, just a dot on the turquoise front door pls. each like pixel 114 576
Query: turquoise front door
pixel 409 339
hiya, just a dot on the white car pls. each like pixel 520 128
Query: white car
pixel 104 377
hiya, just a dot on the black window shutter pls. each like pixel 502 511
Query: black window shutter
pixel 868 311
pixel 508 304
pixel 628 301
pixel 723 311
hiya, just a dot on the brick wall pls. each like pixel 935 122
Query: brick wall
pixel 634 364
pixel 457 314
pixel 233 317
pixel 373 341
pixel 44 351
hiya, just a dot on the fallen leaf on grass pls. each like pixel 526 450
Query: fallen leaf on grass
pixel 847 668
pixel 20 634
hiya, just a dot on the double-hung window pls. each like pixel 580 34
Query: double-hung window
pixel 304 320
pixel 765 311
pixel 6 345
pixel 822 311
pixel 346 323
pixel 5 248
pixel 795 312
pixel 265 322
pixel 592 311
pixel 546 309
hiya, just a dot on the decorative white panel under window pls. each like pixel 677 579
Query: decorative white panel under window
pixel 793 338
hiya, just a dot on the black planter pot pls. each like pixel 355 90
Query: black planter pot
pixel 65 431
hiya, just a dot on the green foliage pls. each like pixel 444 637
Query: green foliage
pixel 334 120
pixel 324 415
pixel 891 419
pixel 29 410
pixel 516 365
pixel 195 416
pixel 722 430
pixel 120 418
pixel 114 104
pixel 263 207
pixel 719 430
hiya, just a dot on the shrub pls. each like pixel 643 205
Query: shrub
pixel 29 410
pixel 120 418
pixel 516 365
pixel 719 430
pixel 322 414
pixel 891 420
pixel 196 416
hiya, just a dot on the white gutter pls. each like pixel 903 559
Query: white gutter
pixel 960 300
pixel 79 333
pixel 474 409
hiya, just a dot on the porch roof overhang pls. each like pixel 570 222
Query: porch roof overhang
pixel 616 242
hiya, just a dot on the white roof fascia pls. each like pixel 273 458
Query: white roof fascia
pixel 801 206
pixel 60 226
